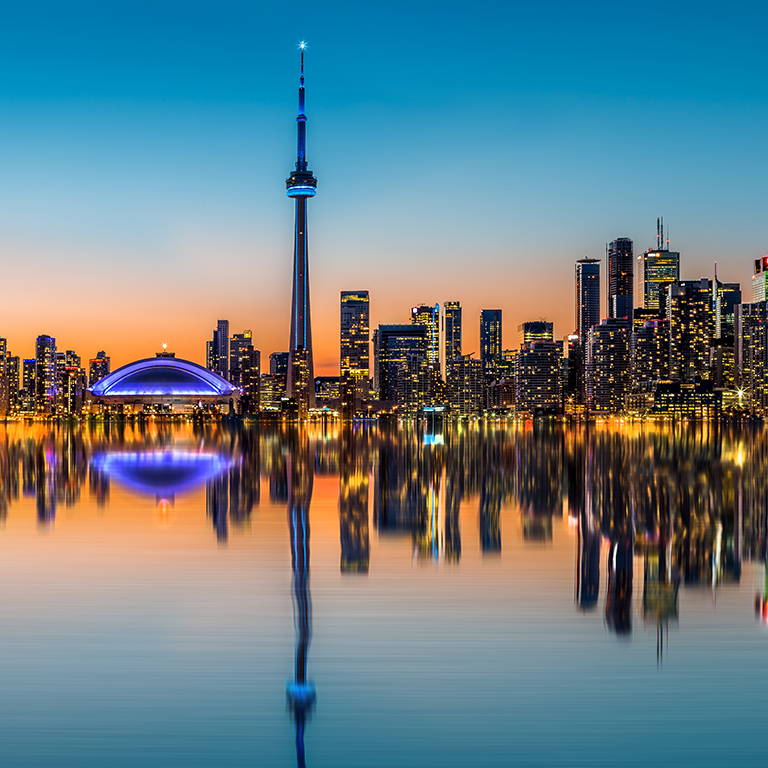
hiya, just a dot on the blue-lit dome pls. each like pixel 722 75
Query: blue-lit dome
pixel 164 376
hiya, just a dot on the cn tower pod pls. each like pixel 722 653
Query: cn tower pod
pixel 301 184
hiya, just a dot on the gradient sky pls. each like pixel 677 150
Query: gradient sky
pixel 462 152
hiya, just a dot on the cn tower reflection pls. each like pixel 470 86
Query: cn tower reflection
pixel 300 471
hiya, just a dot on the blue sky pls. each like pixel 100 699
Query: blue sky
pixel 471 152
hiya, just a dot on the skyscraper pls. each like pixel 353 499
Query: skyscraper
pixel 535 330
pixel 451 347
pixel 490 342
pixel 45 374
pixel 620 278
pixel 222 350
pixel 429 316
pixel 300 185
pixel 354 339
pixel 587 296
pixel 760 280
pixel 239 346
pixel 402 363
pixel 98 367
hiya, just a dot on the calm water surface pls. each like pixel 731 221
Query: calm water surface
pixel 531 595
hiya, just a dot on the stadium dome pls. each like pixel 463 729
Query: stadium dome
pixel 162 381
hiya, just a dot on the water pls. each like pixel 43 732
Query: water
pixel 471 595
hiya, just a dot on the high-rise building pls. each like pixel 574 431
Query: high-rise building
pixel 402 364
pixel 649 352
pixel 239 346
pixel 249 362
pixel 354 340
pixel 429 317
pixel 727 298
pixel 465 386
pixel 587 296
pixel 98 367
pixel 539 376
pixel 619 278
pixel 3 354
pixel 655 270
pixel 691 328
pixel 45 374
pixel 751 332
pixel 300 186
pixel 12 371
pixel 490 343
pixel 451 327
pixel 222 348
pixel 607 365
pixel 535 330
pixel 28 395
pixel 760 280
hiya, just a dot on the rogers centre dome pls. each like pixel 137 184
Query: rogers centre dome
pixel 165 382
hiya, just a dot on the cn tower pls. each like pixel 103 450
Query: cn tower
pixel 300 185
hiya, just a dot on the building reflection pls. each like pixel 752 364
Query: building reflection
pixel 353 500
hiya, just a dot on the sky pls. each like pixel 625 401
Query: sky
pixel 468 153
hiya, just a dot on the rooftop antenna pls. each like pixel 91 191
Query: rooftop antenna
pixel 658 235
pixel 667 238
pixel 662 232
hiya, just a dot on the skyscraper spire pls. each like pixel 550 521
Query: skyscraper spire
pixel 301 184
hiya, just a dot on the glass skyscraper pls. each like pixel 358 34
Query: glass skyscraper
pixel 587 296
pixel 620 278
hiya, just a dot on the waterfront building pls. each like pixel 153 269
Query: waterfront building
pixel 12 371
pixel 271 391
pixel 302 383
pixel 619 278
pixel 250 379
pixel 429 317
pixel 300 186
pixel 535 330
pixel 691 316
pixel 587 296
pixel 162 384
pixel 573 377
pixel 451 326
pixel 539 371
pixel 327 391
pixel 490 342
pixel 222 348
pixel 402 365
pixel 354 339
pixel 693 400
pixel 727 298
pixel 465 386
pixel 45 374
pixel 28 400
pixel 278 364
pixel 607 365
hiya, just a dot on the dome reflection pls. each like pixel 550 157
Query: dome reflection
pixel 161 473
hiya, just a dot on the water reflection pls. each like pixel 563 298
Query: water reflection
pixel 689 502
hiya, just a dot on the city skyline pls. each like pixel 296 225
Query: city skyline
pixel 157 176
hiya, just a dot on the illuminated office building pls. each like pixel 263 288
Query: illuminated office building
pixel 28 399
pixel 691 328
pixel 222 349
pixel 539 365
pixel 12 371
pixel 302 384
pixel 402 365
pixel 249 361
pixel 655 270
pixel 98 367
pixel 727 298
pixel 429 317
pixel 619 278
pixel 535 330
pixel 354 341
pixel 587 296
pixel 3 354
pixel 301 185
pixel 607 365
pixel 278 364
pixel 451 327
pixel 45 374
pixel 490 343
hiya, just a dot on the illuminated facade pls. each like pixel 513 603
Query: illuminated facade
pixel 751 331
pixel 45 375
pixel 587 296
pixel 691 315
pixel 451 328
pixel 535 330
pixel 619 280
pixel 429 317
pixel 302 383
pixel 239 346
pixel 727 298
pixel 539 377
pixel 402 365
pixel 655 270
pixel 301 185
pixel 607 365
pixel 490 342
pixel 650 351
pixel 98 367
pixel 465 386
pixel 354 342
pixel 164 384
pixel 760 280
